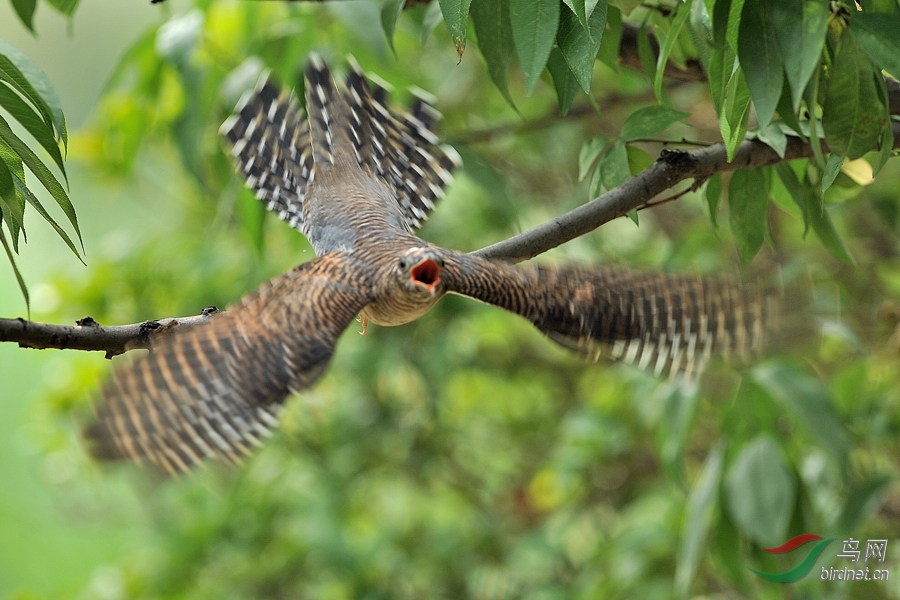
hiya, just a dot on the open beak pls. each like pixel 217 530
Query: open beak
pixel 427 273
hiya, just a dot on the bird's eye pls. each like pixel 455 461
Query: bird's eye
pixel 403 263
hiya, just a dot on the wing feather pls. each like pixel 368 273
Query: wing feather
pixel 216 390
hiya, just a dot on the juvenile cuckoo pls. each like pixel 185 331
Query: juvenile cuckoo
pixel 358 179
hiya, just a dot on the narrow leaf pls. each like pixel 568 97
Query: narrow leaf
pixel 66 7
pixel 832 168
pixel 649 121
pixel 40 170
pixel 12 261
pixel 852 115
pixel 32 122
pixel 534 25
pixel 36 204
pixel 580 10
pixel 590 150
pixel 577 47
pixel 390 14
pixel 699 517
pixel 796 190
pixel 720 14
pixel 748 199
pixel 608 53
pixel 25 10
pixel 613 166
pixel 800 27
pixel 713 194
pixel 495 41
pixel 761 58
pixel 456 16
pixel 811 96
pixel 34 84
pixel 668 44
pixel 564 80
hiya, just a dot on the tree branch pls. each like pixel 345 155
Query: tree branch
pixel 672 167
pixel 87 334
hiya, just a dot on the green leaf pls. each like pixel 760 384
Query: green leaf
pixel 701 30
pixel 12 261
pixel 796 190
pixel 748 199
pixel 534 25
pixel 852 115
pixel 713 194
pixel 12 103
pixel 730 97
pixel 886 144
pixel 25 10
pixel 430 20
pixel 608 53
pixel 590 150
pixel 613 166
pixel 668 44
pixel 494 30
pixel 760 57
pixel 824 228
pixel 699 517
pixel 43 174
pixel 863 500
pixel 638 160
pixel 721 10
pixel 809 401
pixel 878 34
pixel 645 52
pixel 580 10
pixel 811 95
pixel 649 121
pixel 577 47
pixel 773 136
pixel 28 79
pixel 390 14
pixel 761 492
pixel 456 16
pixel 564 80
pixel 800 27
pixel 832 168
pixel 66 7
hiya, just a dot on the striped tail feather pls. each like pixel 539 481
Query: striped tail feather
pixel 402 149
pixel 269 138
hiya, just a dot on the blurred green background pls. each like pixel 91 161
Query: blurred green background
pixel 460 456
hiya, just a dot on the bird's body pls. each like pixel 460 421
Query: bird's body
pixel 357 180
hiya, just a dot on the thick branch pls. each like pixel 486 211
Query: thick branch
pixel 672 167
pixel 89 335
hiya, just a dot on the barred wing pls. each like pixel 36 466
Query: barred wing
pixel 215 390
pixel 666 323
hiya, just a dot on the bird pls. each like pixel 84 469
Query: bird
pixel 358 179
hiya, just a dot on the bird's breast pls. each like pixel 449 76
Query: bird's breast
pixel 396 307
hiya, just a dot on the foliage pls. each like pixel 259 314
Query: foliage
pixel 463 455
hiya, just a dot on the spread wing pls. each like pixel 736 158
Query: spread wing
pixel 215 390
pixel 666 323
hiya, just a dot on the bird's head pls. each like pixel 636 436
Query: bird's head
pixel 419 271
